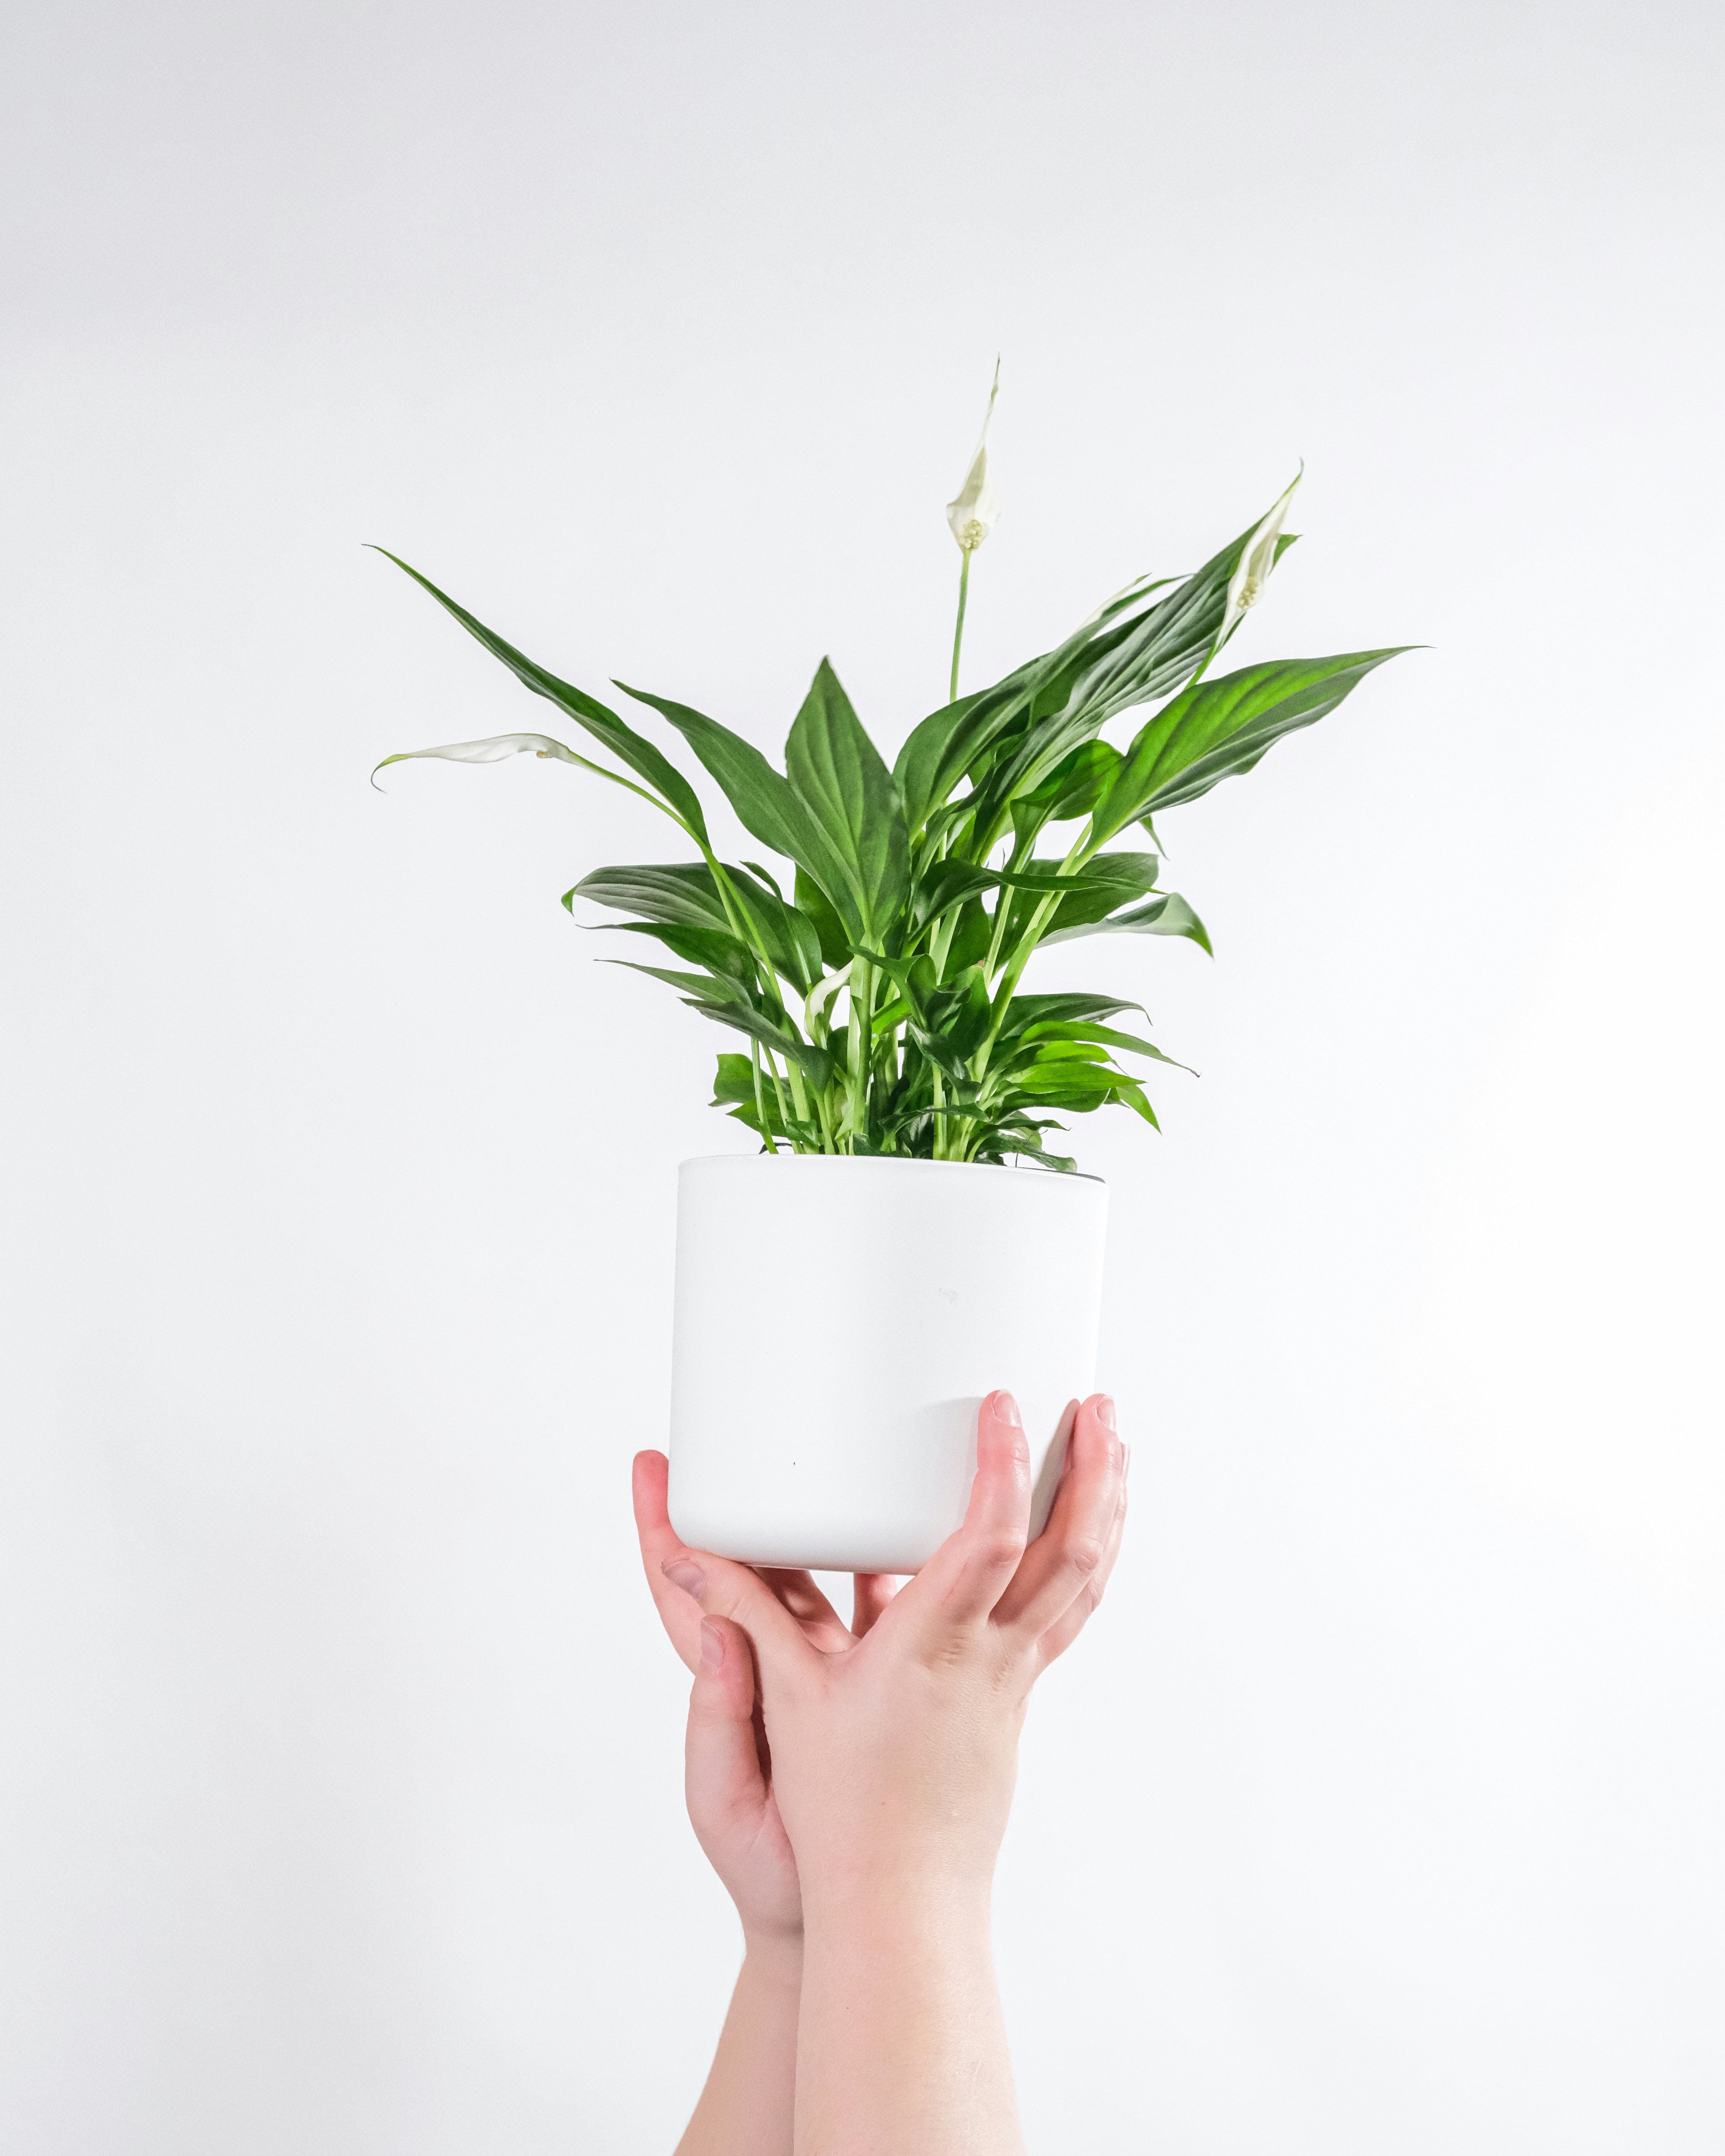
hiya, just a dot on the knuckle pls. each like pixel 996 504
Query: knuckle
pixel 1085 1553
pixel 1000 1546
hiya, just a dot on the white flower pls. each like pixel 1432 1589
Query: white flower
pixel 492 751
pixel 976 509
pixel 1251 572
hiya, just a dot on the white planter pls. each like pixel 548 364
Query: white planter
pixel 838 1324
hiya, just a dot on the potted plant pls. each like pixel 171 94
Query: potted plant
pixel 901 1080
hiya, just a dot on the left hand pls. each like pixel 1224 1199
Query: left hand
pixel 897 1751
pixel 727 1767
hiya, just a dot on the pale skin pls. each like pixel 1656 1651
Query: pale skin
pixel 850 1785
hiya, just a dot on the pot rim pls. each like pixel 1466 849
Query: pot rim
pixel 849 1161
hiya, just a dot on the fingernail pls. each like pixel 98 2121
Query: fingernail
pixel 1105 1413
pixel 712 1644
pixel 1007 1409
pixel 689 1577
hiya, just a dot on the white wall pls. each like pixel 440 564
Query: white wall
pixel 341 1813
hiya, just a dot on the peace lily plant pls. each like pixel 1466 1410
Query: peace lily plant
pixel 877 976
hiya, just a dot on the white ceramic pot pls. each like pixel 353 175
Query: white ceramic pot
pixel 838 1324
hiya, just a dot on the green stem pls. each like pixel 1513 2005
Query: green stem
pixel 778 1088
pixel 1002 906
pixel 760 1097
pixel 743 922
pixel 959 632
pixel 1015 965
pixel 861 1043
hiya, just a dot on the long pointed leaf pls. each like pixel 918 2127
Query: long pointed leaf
pixel 1215 729
pixel 1166 914
pixel 717 952
pixel 764 799
pixel 1029 1010
pixel 658 891
pixel 842 782
pixel 1135 650
pixel 600 721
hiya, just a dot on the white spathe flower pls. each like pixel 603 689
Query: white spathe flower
pixel 975 511
pixel 1257 558
pixel 492 751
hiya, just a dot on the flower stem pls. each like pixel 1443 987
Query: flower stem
pixel 959 632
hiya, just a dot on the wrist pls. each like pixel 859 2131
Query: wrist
pixel 898 1905
pixel 773 1955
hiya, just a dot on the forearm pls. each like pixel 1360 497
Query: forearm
pixel 901 2043
pixel 746 2107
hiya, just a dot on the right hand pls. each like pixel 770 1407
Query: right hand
pixel 894 1746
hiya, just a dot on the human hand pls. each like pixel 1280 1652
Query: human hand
pixel 728 1766
pixel 894 1743
pixel 894 1753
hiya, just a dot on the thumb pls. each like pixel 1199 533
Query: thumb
pixel 724 1766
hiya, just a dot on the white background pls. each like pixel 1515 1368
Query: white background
pixel 1380 1811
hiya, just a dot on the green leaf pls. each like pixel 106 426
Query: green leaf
pixel 734 1083
pixel 1131 1095
pixel 721 953
pixel 1080 1089
pixel 1215 729
pixel 838 773
pixel 677 891
pixel 948 883
pixel 815 1061
pixel 1051 1050
pixel 960 1012
pixel 764 799
pixel 1142 651
pixel 940 749
pixel 1166 914
pixel 1070 790
pixel 686 893
pixel 784 932
pixel 715 990
pixel 623 742
pixel 1030 1010
pixel 836 947
pixel 1136 649
pixel 729 1002
pixel 735 1080
pixel 1130 1042
pixel 1106 881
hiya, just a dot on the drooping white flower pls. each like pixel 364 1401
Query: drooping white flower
pixel 1251 572
pixel 975 511
pixel 492 751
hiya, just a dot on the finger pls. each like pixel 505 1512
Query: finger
pixel 961 1582
pixel 820 1621
pixel 718 1586
pixel 870 1592
pixel 1070 1548
pixel 661 1543
pixel 724 1774
pixel 1078 1613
